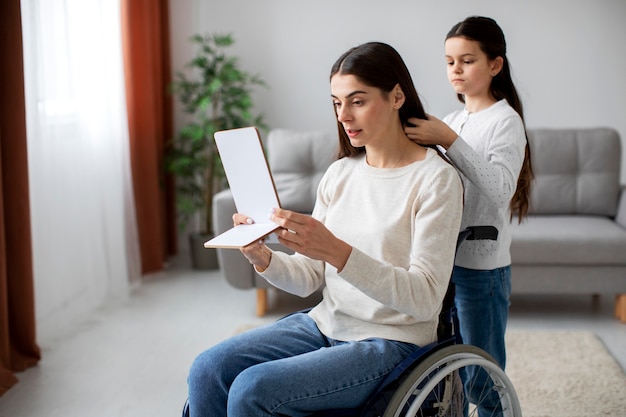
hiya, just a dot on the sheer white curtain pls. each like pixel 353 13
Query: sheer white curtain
pixel 84 231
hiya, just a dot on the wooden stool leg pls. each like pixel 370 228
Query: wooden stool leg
pixel 620 307
pixel 261 301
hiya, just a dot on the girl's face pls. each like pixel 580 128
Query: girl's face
pixel 366 113
pixel 469 69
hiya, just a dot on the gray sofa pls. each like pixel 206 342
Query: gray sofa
pixel 572 242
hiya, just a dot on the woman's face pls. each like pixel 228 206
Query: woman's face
pixel 365 112
pixel 469 69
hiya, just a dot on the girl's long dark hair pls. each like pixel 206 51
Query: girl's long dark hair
pixel 490 37
pixel 377 65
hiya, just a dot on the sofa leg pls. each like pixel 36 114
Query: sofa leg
pixel 595 301
pixel 620 307
pixel 261 301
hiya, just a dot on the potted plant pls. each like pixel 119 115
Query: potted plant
pixel 216 95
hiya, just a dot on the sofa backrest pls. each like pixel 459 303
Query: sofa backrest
pixel 576 171
pixel 298 159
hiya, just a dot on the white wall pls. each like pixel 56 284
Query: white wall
pixel 568 56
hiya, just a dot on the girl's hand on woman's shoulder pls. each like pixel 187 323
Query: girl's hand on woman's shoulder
pixel 430 132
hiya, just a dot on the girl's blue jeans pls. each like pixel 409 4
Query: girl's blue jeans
pixel 289 368
pixel 482 300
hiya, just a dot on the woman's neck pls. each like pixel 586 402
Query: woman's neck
pixel 398 153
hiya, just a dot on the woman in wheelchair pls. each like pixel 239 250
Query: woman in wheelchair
pixel 381 244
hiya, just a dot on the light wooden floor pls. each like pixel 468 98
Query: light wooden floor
pixel 131 359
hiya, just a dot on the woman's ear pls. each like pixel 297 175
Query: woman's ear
pixel 496 66
pixel 398 97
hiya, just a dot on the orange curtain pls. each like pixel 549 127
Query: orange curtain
pixel 145 34
pixel 18 346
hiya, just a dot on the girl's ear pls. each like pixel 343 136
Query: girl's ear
pixel 398 97
pixel 496 66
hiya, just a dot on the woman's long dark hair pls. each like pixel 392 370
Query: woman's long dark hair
pixel 490 37
pixel 377 65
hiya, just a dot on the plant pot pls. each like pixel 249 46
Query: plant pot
pixel 201 257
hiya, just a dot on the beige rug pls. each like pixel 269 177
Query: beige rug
pixel 564 374
pixel 561 374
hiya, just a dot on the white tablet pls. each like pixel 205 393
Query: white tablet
pixel 251 183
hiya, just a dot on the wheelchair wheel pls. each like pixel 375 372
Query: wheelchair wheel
pixel 435 387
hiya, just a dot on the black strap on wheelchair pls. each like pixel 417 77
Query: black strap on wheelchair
pixel 477 233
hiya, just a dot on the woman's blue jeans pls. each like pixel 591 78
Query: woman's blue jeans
pixel 289 368
pixel 482 300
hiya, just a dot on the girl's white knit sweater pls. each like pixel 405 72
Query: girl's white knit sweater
pixel 489 153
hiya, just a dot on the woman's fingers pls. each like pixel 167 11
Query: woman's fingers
pixel 239 218
pixel 288 219
pixel 287 235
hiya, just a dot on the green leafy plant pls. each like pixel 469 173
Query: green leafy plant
pixel 216 94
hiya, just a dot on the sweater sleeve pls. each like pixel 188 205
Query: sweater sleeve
pixel 418 290
pixel 295 274
pixel 495 173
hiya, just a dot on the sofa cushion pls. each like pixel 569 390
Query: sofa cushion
pixel 568 240
pixel 298 159
pixel 576 171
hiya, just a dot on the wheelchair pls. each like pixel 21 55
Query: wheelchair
pixel 433 381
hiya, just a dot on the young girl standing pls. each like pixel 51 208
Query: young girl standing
pixel 487 143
